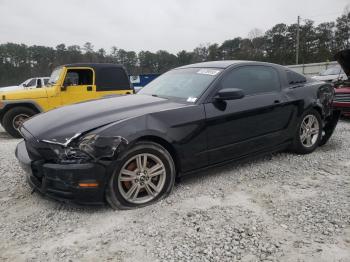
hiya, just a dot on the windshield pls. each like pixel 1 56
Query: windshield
pixel 25 82
pixel 336 70
pixel 55 76
pixel 185 84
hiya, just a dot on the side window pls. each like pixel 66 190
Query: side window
pixel 46 80
pixel 253 79
pixel 32 82
pixel 295 78
pixel 112 78
pixel 77 77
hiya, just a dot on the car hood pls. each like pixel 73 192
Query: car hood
pixel 65 122
pixel 24 93
pixel 10 88
pixel 343 58
pixel 325 78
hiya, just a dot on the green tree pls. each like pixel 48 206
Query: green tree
pixel 229 48
pixel 325 41
pixel 184 57
pixel 214 52
pixel 342 33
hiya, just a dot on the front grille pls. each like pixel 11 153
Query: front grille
pixel 342 98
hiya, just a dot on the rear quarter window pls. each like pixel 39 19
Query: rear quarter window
pixel 110 79
pixel 294 78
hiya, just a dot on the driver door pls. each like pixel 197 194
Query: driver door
pixel 236 128
pixel 78 85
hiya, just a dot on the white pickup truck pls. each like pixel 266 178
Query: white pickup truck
pixel 332 74
pixel 36 82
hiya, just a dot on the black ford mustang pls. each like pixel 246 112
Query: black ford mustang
pixel 128 150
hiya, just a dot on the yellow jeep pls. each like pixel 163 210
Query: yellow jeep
pixel 68 84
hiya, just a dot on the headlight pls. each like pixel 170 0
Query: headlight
pixel 69 154
pixel 90 147
pixel 99 147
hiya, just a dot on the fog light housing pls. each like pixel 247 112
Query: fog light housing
pixel 88 184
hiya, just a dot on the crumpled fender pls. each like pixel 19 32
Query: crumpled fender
pixel 330 124
pixel 325 95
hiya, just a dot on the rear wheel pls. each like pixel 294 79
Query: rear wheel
pixel 144 174
pixel 309 132
pixel 14 118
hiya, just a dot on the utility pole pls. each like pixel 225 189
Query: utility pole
pixel 297 45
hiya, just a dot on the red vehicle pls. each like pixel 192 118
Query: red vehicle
pixel 342 92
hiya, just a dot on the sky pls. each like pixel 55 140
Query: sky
pixel 136 25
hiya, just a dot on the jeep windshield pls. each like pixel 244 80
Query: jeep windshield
pixel 186 84
pixel 55 75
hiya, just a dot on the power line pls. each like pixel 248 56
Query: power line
pixel 325 14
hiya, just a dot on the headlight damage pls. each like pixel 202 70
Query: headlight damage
pixel 92 147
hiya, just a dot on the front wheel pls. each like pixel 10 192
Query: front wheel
pixel 143 175
pixel 14 118
pixel 309 132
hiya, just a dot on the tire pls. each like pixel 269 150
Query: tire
pixel 11 115
pixel 302 143
pixel 139 180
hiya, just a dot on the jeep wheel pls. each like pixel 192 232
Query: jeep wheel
pixel 14 117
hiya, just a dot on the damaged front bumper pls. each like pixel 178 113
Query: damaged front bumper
pixel 82 183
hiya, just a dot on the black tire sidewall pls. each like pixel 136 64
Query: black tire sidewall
pixel 298 145
pixel 10 115
pixel 114 197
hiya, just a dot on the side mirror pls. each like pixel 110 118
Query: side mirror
pixel 25 85
pixel 229 94
pixel 66 83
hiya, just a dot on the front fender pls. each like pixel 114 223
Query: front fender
pixel 325 95
pixel 133 128
pixel 182 128
pixel 330 124
pixel 6 105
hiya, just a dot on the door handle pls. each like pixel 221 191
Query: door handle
pixel 276 101
pixel 89 88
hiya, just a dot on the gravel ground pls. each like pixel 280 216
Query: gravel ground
pixel 282 207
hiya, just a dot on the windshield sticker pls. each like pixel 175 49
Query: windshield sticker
pixel 192 99
pixel 211 72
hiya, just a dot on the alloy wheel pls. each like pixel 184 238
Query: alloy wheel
pixel 142 178
pixel 309 131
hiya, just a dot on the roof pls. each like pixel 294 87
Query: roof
pixel 216 64
pixel 94 65
pixel 107 76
